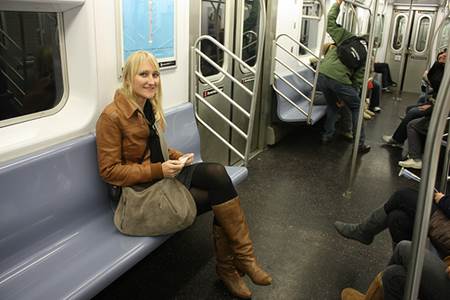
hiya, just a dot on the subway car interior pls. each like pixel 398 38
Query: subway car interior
pixel 240 87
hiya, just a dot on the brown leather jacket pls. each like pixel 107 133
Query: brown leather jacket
pixel 122 134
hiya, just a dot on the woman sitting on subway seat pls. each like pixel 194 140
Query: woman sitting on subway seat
pixel 130 143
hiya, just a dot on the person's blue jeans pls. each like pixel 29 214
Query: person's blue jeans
pixel 334 91
pixel 412 112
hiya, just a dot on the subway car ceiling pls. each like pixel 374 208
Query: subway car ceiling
pixel 60 61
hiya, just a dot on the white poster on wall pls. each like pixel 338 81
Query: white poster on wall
pixel 148 25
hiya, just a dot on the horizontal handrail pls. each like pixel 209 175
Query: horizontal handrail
pixel 238 130
pixel 11 40
pixel 289 100
pixel 12 68
pixel 219 136
pixel 13 83
pixel 293 71
pixel 296 42
pixel 224 49
pixel 223 71
pixel 235 104
pixel 292 86
pixel 295 57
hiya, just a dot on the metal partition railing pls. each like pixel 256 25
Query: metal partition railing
pixel 196 55
pixel 276 60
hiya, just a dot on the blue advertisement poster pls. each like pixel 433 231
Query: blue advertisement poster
pixel 149 25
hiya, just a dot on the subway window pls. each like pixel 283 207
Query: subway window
pixel 378 32
pixel 422 34
pixel 399 32
pixel 308 30
pixel 444 35
pixel 213 24
pixel 250 32
pixel 30 64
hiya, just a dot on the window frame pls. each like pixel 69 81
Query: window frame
pixel 226 42
pixel 394 33
pixel 416 38
pixel 64 75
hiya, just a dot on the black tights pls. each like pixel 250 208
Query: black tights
pixel 210 186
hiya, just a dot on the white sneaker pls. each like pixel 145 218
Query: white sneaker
pixel 391 142
pixel 411 163
pixel 376 109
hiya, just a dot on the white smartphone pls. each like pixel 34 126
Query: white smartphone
pixel 185 157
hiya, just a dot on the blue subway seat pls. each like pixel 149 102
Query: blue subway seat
pixel 57 237
pixel 286 111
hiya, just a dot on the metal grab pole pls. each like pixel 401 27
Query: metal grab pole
pixel 258 66
pixel 368 65
pixel 316 75
pixel 404 52
pixel 429 170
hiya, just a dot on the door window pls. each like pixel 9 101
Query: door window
pixel 444 36
pixel 31 78
pixel 399 32
pixel 379 23
pixel 213 24
pixel 250 32
pixel 308 33
pixel 422 34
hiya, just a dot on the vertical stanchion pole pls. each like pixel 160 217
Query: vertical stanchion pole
pixel 357 135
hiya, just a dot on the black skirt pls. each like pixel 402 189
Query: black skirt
pixel 185 176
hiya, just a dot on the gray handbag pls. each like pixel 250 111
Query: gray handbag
pixel 162 208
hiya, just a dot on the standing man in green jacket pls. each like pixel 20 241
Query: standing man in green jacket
pixel 338 82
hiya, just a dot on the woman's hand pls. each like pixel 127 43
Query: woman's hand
pixel 190 159
pixel 437 197
pixel 171 168
pixel 448 272
pixel 424 107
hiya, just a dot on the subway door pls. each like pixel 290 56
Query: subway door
pixel 418 47
pixel 418 50
pixel 213 18
pixel 247 35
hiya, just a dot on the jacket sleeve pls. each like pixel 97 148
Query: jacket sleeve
pixel 444 205
pixel 109 156
pixel 337 32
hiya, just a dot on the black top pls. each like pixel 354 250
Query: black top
pixel 435 75
pixel 153 138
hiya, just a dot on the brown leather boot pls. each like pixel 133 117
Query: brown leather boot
pixel 225 268
pixel 231 217
pixel 374 292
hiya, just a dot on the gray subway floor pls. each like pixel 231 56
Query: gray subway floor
pixel 292 196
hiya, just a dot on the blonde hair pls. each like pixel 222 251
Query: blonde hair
pixel 130 70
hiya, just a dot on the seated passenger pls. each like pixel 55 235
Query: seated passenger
pixel 434 76
pixel 390 283
pixel 130 143
pixel 337 81
pixel 417 133
pixel 397 214
pixel 386 79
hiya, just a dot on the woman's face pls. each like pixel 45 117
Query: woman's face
pixel 146 81
pixel 442 58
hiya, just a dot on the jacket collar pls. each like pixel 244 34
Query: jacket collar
pixel 126 106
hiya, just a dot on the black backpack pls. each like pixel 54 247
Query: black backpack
pixel 352 52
